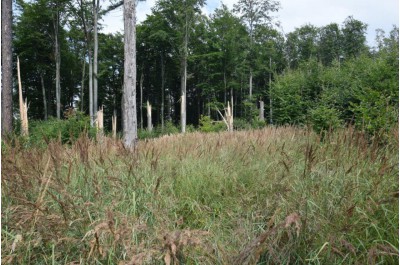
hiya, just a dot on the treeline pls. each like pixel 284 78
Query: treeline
pixel 323 76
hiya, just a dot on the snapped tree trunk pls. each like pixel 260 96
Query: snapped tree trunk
pixel 114 124
pixel 23 108
pixel 6 67
pixel 129 108
pixel 44 96
pixel 149 124
pixel 100 121
pixel 261 114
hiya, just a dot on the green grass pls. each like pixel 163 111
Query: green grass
pixel 270 196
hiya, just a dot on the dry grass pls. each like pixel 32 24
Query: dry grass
pixel 271 196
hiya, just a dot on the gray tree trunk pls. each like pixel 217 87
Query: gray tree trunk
pixel 44 96
pixel 149 122
pixel 83 83
pixel 6 67
pixel 58 63
pixel 141 99
pixel 129 108
pixel 95 55
pixel 90 87
pixel 251 85
pixel 183 95
pixel 270 92
pixel 261 114
pixel 162 90
pixel 184 77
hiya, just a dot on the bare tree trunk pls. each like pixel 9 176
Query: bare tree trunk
pixel 90 87
pixel 232 100
pixel 114 124
pixel 169 107
pixel 6 67
pixel 44 96
pixel 58 62
pixel 184 77
pixel 95 60
pixel 183 95
pixel 141 99
pixel 270 92
pixel 251 85
pixel 83 83
pixel 129 110
pixel 149 124
pixel 23 108
pixel 224 87
pixel 261 114
pixel 162 90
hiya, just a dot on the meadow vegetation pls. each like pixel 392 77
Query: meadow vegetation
pixel 278 195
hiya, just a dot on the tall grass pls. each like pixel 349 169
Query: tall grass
pixel 270 196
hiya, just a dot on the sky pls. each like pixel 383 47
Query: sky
pixel 293 14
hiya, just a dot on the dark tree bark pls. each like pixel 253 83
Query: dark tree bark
pixel 6 67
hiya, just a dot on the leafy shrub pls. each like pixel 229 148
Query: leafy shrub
pixel 67 130
pixel 324 118
pixel 145 134
pixel 208 125
pixel 257 124
pixel 170 128
pixel 374 113
pixel 241 124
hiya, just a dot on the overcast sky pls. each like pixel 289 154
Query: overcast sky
pixel 295 13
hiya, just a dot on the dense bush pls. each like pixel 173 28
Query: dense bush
pixel 362 91
pixel 208 125
pixel 67 130
pixel 324 118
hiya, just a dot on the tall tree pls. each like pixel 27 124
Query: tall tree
pixel 354 40
pixel 329 44
pixel 96 8
pixel 181 16
pixel 6 67
pixel 301 44
pixel 254 13
pixel 129 96
pixel 56 25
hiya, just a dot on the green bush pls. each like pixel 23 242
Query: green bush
pixel 67 130
pixel 324 118
pixel 257 124
pixel 241 124
pixel 170 128
pixel 208 125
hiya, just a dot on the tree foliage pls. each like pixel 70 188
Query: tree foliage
pixel 326 76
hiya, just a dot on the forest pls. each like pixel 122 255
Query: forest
pixel 324 77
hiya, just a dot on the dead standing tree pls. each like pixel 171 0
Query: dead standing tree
pixel 228 118
pixel 23 107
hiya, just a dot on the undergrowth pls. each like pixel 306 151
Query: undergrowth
pixel 270 196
